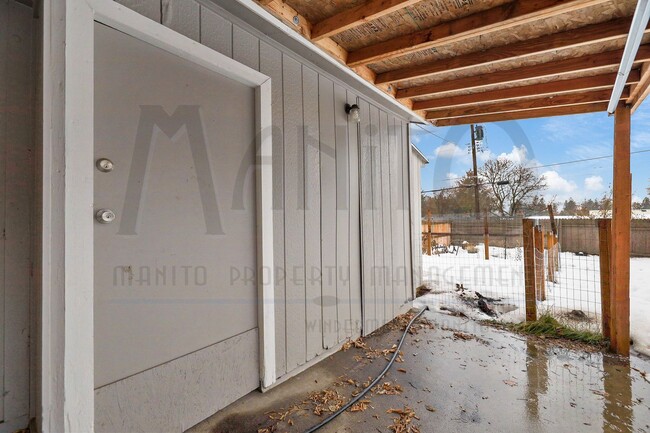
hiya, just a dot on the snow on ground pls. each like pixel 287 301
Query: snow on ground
pixel 576 288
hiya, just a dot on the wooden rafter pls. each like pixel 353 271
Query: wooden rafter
pixel 525 104
pixel 526 114
pixel 549 88
pixel 594 33
pixel 299 23
pixel 499 18
pixel 349 18
pixel 642 89
pixel 575 64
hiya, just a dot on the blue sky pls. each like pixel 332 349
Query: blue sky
pixel 542 142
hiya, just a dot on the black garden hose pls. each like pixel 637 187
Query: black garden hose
pixel 374 382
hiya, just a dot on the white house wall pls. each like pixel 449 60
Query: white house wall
pixel 416 216
pixel 316 190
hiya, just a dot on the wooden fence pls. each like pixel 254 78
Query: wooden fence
pixel 575 235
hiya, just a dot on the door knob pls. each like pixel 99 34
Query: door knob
pixel 105 216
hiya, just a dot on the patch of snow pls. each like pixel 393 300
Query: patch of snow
pixel 576 287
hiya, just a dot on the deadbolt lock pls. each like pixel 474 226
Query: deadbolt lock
pixel 105 216
pixel 104 165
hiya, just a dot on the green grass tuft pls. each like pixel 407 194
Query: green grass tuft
pixel 549 327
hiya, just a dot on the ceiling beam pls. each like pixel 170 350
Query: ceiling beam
pixel 299 23
pixel 526 114
pixel 524 104
pixel 499 18
pixel 550 88
pixel 575 64
pixel 641 90
pixel 350 18
pixel 591 34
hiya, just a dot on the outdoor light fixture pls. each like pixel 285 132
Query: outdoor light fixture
pixel 354 111
pixel 637 29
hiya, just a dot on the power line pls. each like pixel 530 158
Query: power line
pixel 555 164
pixel 435 135
pixel 585 159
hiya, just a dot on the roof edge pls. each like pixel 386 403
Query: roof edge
pixel 255 15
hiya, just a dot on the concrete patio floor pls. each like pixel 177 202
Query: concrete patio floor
pixel 457 376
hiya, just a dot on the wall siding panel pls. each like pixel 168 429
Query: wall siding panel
pixel 355 226
pixel 367 221
pixel 397 229
pixel 149 8
pixel 342 216
pixel 377 216
pixel 245 48
pixel 182 16
pixel 313 280
pixel 216 32
pixel 294 227
pixel 328 209
pixel 387 229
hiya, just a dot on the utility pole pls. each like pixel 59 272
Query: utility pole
pixel 477 208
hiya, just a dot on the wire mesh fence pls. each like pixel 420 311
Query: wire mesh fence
pixel 476 267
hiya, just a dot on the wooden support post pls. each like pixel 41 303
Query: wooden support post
pixel 539 264
pixel 429 246
pixel 551 215
pixel 604 242
pixel 486 236
pixel 620 246
pixel 529 269
pixel 550 246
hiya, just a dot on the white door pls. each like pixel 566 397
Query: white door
pixel 175 147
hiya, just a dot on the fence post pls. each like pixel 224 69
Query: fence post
pixel 429 232
pixel 486 236
pixel 621 237
pixel 529 269
pixel 604 240
pixel 551 256
pixel 539 263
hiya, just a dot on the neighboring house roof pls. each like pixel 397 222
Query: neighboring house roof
pixel 419 153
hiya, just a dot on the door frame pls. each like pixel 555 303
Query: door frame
pixel 67 388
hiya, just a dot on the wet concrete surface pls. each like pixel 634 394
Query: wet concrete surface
pixel 460 376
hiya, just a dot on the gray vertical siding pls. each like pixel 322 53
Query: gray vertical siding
pixel 340 191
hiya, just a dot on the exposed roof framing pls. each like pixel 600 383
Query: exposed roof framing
pixel 525 114
pixel 453 62
pixel 550 88
pixel 590 34
pixel 525 104
pixel 482 23
pixel 355 16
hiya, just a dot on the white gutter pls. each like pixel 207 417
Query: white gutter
pixel 637 29
pixel 262 20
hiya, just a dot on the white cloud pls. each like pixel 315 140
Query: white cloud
pixel 452 176
pixel 450 150
pixel 557 185
pixel 594 183
pixel 518 154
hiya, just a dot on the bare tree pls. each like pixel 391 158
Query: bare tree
pixel 522 184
